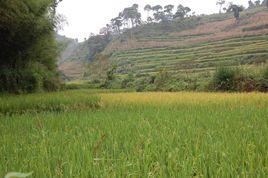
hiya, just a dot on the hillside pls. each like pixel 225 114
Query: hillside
pixel 76 56
pixel 73 58
pixel 192 48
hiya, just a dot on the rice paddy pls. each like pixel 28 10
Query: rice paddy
pixel 135 135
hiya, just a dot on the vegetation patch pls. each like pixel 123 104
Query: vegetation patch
pixel 48 102
pixel 142 135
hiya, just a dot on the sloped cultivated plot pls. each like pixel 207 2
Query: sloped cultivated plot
pixel 142 135
pixel 232 52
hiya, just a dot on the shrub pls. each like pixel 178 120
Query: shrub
pixel 128 81
pixel 239 80
pixel 146 83
pixel 20 81
pixel 223 80
pixel 110 77
pixel 52 84
pixel 263 83
pixel 245 81
pixel 162 80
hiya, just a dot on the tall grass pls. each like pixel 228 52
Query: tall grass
pixel 142 135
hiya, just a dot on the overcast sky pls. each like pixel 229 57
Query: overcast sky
pixel 88 16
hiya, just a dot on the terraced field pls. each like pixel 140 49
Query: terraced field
pixel 201 57
pixel 196 46
pixel 197 50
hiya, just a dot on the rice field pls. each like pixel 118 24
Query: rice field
pixel 136 135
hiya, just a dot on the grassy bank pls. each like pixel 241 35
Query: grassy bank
pixel 142 135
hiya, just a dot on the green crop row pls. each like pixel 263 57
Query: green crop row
pixel 59 102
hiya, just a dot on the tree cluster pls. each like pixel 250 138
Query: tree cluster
pixel 129 17
pixel 96 44
pixel 265 3
pixel 253 4
pixel 166 13
pixel 28 48
pixel 220 3
pixel 236 9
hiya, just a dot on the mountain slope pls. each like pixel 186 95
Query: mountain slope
pixel 73 58
pixel 192 48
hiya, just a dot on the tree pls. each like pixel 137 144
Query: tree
pixel 150 19
pixel 148 8
pixel 158 14
pixel 132 14
pixel 117 24
pixel 106 31
pixel 157 8
pixel 110 76
pixel 236 9
pixel 168 9
pixel 137 19
pixel 181 12
pixel 54 5
pixel 220 3
pixel 265 3
pixel 96 44
pixel 251 4
pixel 257 3
pixel 28 48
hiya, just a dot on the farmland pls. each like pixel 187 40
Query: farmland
pixel 180 55
pixel 181 94
pixel 111 134
pixel 201 57
pixel 197 50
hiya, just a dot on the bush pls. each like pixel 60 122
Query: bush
pixel 20 81
pixel 145 84
pixel 245 81
pixel 162 81
pixel 239 80
pixel 128 81
pixel 110 77
pixel 223 80
pixel 52 84
pixel 28 80
pixel 263 87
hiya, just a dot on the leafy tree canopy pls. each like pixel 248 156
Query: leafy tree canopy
pixel 28 48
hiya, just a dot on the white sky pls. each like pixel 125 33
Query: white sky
pixel 86 16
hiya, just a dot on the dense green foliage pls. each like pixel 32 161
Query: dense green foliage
pixel 239 80
pixel 141 135
pixel 96 44
pixel 28 48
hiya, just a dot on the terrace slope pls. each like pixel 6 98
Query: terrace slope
pixel 192 47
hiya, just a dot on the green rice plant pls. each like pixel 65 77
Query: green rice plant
pixel 142 135
pixel 62 101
